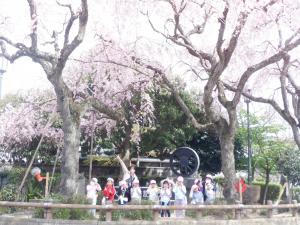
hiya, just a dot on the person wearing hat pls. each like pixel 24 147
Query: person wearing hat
pixel 196 193
pixel 136 192
pixel 153 192
pixel 92 193
pixel 209 189
pixel 123 193
pixel 109 192
pixel 180 198
pixel 165 197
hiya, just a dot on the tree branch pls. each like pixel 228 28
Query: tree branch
pixel 34 24
pixel 180 35
pixel 220 40
pixel 176 95
pixel 107 110
pixel 69 48
pixel 283 73
pixel 271 102
pixel 254 68
pixel 235 36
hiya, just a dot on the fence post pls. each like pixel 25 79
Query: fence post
pixel 270 211
pixel 48 211
pixel 155 213
pixel 108 215
pixel 238 211
pixel 199 212
pixel 294 210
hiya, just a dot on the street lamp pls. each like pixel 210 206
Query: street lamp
pixel 247 101
pixel 3 66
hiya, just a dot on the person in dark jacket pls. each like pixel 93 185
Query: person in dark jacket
pixel 123 193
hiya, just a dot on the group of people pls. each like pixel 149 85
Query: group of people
pixel 129 191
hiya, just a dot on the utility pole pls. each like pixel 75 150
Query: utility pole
pixel 247 101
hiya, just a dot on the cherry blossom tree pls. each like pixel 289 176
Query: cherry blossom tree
pixel 215 53
pixel 53 63
pixel 284 95
pixel 23 123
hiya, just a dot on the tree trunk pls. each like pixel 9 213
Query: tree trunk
pixel 266 186
pixel 70 114
pixel 296 134
pixel 70 157
pixel 228 163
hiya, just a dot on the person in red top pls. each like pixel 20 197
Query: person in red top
pixel 109 191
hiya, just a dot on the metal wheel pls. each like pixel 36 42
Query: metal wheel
pixel 184 161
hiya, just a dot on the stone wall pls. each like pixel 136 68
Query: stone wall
pixel 172 221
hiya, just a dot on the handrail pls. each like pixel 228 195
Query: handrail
pixel 238 208
pixel 142 207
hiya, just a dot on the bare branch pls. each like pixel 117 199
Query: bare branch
pixel 176 95
pixel 283 75
pixel 293 82
pixel 69 48
pixel 182 39
pixel 220 41
pixel 288 41
pixel 254 68
pixel 34 24
pixel 271 102
pixel 221 94
pixel 269 4
pixel 235 36
pixel 72 18
pixel 105 109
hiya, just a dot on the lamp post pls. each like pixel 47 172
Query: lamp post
pixel 247 101
pixel 2 71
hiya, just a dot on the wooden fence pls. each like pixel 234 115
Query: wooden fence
pixel 237 209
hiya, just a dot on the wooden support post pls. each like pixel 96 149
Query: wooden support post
pixel 48 211
pixel 294 210
pixel 238 212
pixel 240 191
pixel 199 213
pixel 155 214
pixel 270 211
pixel 47 186
pixel 108 215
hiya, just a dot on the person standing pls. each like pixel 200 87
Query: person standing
pixel 165 197
pixel 123 193
pixel 109 192
pixel 180 196
pixel 153 192
pixel 136 192
pixel 92 193
pixel 196 193
pixel 128 175
pixel 209 189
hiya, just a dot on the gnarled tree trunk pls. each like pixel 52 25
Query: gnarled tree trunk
pixel 228 162
pixel 70 157
pixel 70 114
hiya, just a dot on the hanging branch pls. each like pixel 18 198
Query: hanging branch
pixel 48 124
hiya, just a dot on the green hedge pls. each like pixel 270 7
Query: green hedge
pixel 296 193
pixel 67 214
pixel 118 215
pixel 273 190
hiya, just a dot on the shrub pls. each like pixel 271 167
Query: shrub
pixel 131 215
pixel 296 193
pixel 8 192
pixel 273 190
pixel 67 214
